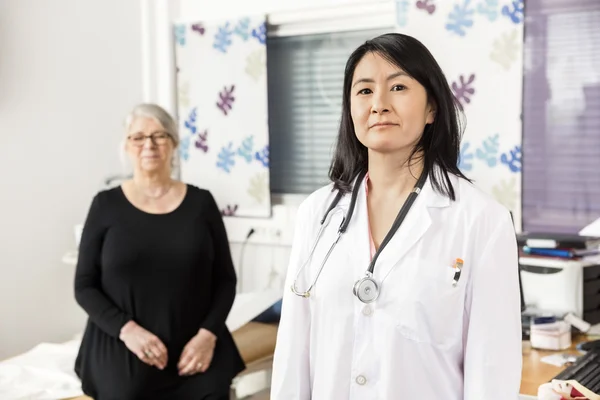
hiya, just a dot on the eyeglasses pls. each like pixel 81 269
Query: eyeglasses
pixel 157 138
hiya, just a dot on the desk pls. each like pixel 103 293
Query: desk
pixel 535 372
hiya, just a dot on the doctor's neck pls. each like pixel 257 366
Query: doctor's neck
pixel 393 175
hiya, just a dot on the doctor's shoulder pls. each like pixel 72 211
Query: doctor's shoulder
pixel 313 207
pixel 482 211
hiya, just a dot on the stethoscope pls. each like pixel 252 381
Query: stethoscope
pixel 365 289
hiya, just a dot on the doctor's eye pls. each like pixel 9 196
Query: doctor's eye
pixel 397 88
pixel 365 91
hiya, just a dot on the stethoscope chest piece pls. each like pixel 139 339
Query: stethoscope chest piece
pixel 366 289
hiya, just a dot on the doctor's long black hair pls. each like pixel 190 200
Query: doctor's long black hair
pixel 440 142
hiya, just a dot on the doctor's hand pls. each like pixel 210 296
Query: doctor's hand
pixel 197 353
pixel 144 344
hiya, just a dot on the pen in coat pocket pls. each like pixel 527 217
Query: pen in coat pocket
pixel 458 264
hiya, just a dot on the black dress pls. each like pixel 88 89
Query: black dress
pixel 172 274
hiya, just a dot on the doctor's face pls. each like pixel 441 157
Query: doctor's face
pixel 389 109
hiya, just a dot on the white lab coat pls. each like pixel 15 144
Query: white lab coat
pixel 422 338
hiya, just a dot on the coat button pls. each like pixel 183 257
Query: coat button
pixel 367 310
pixel 361 380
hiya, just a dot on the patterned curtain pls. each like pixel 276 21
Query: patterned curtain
pixel 223 112
pixel 479 45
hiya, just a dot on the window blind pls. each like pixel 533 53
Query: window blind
pixel 305 79
pixel 561 115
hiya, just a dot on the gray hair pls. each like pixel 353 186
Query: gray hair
pixel 159 114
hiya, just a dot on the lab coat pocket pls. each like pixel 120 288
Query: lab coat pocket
pixel 431 309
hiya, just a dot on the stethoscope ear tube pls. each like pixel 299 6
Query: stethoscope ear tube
pixel 332 205
pixel 365 289
pixel 399 218
pixel 355 190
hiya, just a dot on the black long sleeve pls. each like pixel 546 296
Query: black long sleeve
pixel 172 274
pixel 224 278
pixel 88 287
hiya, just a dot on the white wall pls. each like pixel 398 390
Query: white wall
pixel 69 72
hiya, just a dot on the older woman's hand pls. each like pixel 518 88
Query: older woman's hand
pixel 197 353
pixel 144 344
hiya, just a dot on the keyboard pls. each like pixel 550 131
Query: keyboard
pixel 586 371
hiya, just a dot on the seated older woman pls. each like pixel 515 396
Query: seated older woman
pixel 155 277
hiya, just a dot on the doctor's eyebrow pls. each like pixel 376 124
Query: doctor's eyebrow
pixel 389 78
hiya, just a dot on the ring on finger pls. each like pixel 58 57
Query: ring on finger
pixel 148 353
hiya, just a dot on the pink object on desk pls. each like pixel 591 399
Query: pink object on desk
pixel 559 390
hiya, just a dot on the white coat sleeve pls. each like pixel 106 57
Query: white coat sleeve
pixel 291 369
pixel 493 358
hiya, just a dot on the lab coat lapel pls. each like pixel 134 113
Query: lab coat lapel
pixel 415 225
pixel 357 244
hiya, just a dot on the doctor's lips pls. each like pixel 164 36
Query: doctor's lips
pixel 382 124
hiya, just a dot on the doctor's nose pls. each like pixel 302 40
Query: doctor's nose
pixel 379 106
pixel 379 110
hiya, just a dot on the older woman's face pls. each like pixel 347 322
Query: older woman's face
pixel 149 146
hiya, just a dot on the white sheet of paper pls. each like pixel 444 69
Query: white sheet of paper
pixel 558 360
pixel 247 306
pixel 592 229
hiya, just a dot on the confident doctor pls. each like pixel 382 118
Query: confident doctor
pixel 403 277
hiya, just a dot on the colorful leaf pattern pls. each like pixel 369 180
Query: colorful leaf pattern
pixel 487 150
